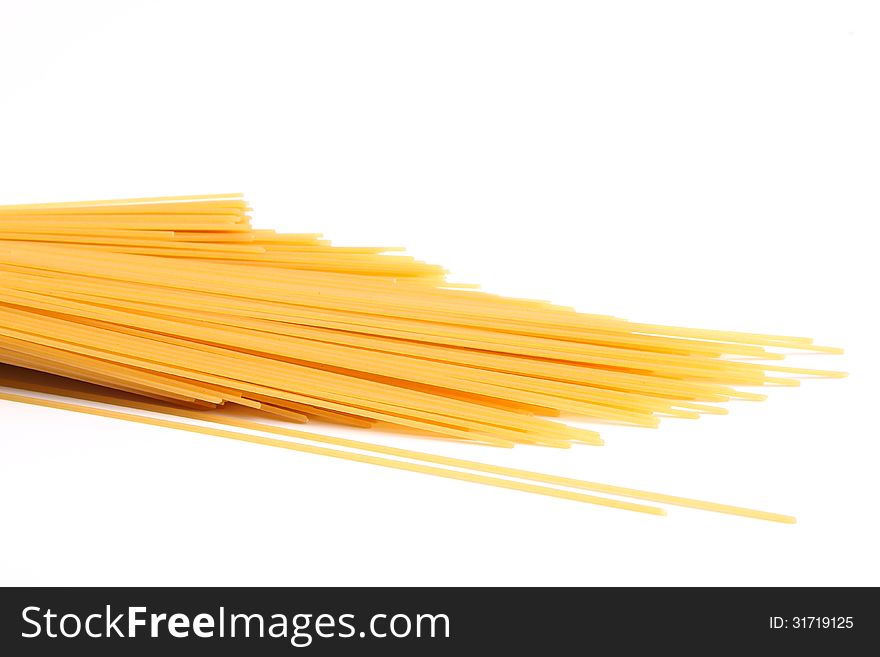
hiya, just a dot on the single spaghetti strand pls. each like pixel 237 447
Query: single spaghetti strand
pixel 125 201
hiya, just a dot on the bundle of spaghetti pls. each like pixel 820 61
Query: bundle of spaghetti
pixel 361 337
pixel 181 300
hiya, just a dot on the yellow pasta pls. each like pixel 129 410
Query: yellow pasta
pixel 363 446
pixel 182 300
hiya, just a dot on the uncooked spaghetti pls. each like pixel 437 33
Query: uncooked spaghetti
pixel 181 300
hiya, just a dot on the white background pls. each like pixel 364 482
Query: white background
pixel 703 164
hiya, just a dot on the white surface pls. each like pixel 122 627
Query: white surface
pixel 704 164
